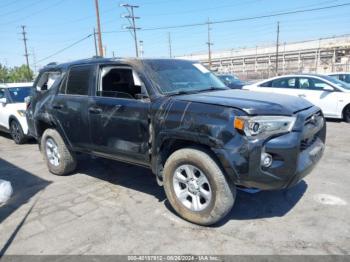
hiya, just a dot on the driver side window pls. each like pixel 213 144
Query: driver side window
pixel 313 84
pixel 120 82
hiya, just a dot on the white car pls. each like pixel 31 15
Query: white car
pixel 12 110
pixel 328 93
pixel 343 76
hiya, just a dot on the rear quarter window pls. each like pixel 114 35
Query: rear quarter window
pixel 266 84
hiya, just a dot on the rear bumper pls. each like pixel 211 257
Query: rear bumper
pixel 293 158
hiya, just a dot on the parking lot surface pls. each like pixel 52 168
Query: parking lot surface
pixel 113 208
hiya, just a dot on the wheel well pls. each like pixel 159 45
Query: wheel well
pixel 345 107
pixel 169 146
pixel 12 118
pixel 41 127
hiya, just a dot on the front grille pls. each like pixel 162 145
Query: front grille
pixel 306 143
pixel 311 119
pixel 312 128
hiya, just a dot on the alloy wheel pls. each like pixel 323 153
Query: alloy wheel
pixel 192 187
pixel 52 152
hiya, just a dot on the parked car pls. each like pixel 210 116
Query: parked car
pixel 199 138
pixel 343 76
pixel 12 110
pixel 232 81
pixel 328 93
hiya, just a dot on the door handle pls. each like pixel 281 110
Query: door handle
pixel 302 95
pixel 57 106
pixel 95 110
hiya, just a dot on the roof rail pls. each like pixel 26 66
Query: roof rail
pixel 51 64
pixel 96 57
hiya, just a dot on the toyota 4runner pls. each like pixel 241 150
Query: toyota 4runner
pixel 200 139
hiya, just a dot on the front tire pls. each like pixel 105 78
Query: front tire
pixel 59 159
pixel 16 132
pixel 196 187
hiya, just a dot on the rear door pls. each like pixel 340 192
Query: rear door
pixel 70 106
pixel 320 94
pixel 119 115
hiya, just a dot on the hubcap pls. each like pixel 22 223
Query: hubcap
pixel 192 187
pixel 15 132
pixel 52 152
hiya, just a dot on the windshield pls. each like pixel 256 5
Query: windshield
pixel 18 94
pixel 230 79
pixel 179 76
pixel 337 82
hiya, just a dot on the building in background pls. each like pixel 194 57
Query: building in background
pixel 324 55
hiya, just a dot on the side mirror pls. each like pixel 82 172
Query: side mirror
pixel 3 101
pixel 328 88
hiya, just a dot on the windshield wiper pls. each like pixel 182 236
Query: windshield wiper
pixel 187 92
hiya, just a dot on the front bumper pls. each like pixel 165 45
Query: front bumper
pixel 23 122
pixel 294 155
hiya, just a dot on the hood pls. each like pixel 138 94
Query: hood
pixel 253 103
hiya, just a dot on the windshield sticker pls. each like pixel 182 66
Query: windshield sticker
pixel 201 68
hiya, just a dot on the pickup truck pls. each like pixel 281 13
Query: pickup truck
pixel 200 139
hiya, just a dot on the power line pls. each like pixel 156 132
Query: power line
pixel 65 48
pixel 247 18
pixel 34 13
pixel 20 9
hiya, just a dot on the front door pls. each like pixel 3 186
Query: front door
pixel 119 116
pixel 320 94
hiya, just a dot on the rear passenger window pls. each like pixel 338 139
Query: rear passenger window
pixel 79 80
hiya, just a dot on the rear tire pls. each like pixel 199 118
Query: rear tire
pixel 346 114
pixel 196 187
pixel 16 132
pixel 59 159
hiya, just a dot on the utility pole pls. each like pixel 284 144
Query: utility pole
pixel 142 52
pixel 277 46
pixel 95 43
pixel 100 45
pixel 209 43
pixel 132 20
pixel 169 43
pixel 34 61
pixel 24 33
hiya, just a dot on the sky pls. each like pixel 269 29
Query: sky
pixel 53 25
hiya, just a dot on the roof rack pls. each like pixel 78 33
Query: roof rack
pixel 52 63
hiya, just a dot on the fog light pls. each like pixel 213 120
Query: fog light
pixel 266 160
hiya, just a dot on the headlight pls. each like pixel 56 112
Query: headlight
pixel 21 112
pixel 264 126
